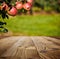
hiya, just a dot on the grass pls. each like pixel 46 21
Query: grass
pixel 33 25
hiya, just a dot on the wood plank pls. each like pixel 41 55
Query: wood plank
pixel 6 43
pixel 49 45
pixel 43 46
pixel 30 47
pixel 54 40
pixel 39 48
pixel 23 48
pixel 12 51
pixel 31 53
pixel 21 53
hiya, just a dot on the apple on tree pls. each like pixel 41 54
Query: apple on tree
pixel 12 11
pixel 4 5
pixel 19 5
pixel 27 6
pixel 30 1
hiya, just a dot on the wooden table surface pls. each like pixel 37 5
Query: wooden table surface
pixel 29 47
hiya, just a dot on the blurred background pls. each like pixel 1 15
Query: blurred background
pixel 44 5
pixel 40 18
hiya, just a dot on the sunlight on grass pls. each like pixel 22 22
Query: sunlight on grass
pixel 35 25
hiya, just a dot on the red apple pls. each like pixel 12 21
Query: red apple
pixel 19 5
pixel 4 5
pixel 12 11
pixel 27 6
pixel 30 1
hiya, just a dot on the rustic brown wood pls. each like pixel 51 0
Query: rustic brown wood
pixel 54 40
pixel 44 47
pixel 29 47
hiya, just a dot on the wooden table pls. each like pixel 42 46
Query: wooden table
pixel 29 47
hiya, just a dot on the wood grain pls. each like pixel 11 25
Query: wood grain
pixel 29 47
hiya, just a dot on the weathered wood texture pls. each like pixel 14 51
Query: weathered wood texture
pixel 29 47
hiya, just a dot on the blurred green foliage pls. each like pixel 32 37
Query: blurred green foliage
pixel 3 15
pixel 48 5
